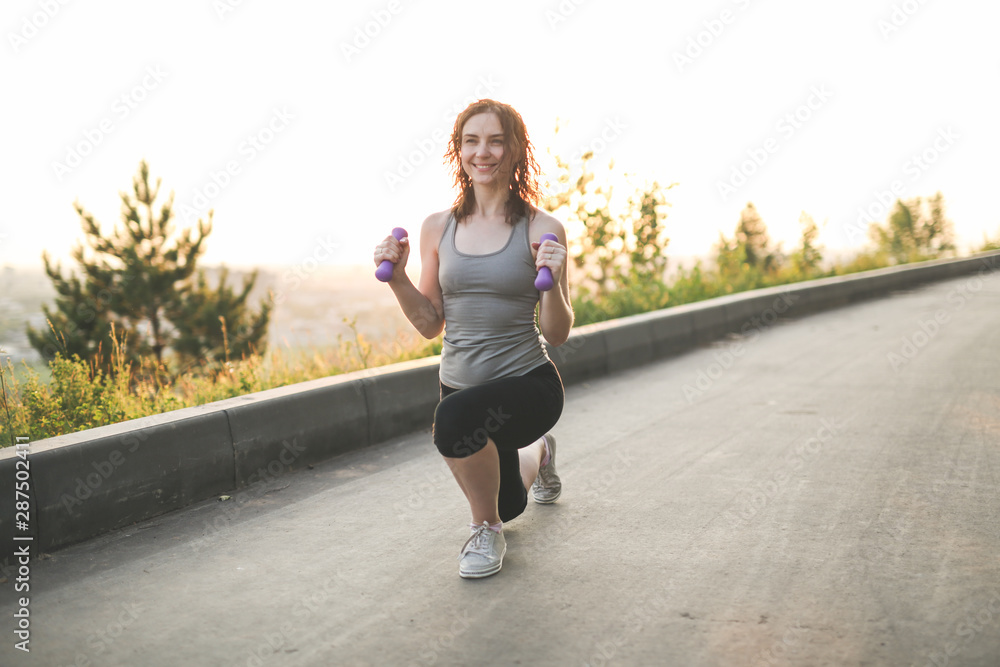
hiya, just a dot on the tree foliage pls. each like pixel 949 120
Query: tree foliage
pixel 620 255
pixel 917 229
pixel 990 244
pixel 204 322
pixel 143 280
pixel 748 260
pixel 806 259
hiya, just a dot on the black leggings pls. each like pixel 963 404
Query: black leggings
pixel 514 412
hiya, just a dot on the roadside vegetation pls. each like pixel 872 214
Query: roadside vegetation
pixel 138 330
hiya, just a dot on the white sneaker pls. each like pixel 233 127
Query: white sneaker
pixel 547 487
pixel 483 553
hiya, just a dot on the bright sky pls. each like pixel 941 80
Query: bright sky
pixel 314 128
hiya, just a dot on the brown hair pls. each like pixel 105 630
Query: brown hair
pixel 518 162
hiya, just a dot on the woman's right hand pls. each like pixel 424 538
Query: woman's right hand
pixel 396 251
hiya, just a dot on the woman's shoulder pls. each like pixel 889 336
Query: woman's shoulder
pixel 543 222
pixel 437 220
pixel 434 225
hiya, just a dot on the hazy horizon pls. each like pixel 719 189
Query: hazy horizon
pixel 310 305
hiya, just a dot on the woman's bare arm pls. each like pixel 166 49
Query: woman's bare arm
pixel 555 314
pixel 423 305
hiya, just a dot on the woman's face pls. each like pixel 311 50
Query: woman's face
pixel 482 149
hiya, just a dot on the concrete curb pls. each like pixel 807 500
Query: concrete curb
pixel 88 483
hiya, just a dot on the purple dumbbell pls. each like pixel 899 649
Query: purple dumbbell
pixel 384 270
pixel 543 283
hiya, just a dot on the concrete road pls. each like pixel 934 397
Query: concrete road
pixel 823 491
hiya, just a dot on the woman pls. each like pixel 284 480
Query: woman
pixel 500 393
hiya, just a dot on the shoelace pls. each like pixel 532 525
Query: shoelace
pixel 479 542
pixel 544 477
pixel 545 472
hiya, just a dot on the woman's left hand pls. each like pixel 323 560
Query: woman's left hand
pixel 551 254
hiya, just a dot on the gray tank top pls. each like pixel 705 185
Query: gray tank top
pixel 489 310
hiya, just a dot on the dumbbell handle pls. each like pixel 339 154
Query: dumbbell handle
pixel 384 270
pixel 544 282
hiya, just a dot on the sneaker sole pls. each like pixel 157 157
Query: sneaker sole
pixel 479 574
pixel 549 501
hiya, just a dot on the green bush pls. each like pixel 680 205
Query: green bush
pixel 81 396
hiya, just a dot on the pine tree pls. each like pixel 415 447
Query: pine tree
pixel 139 279
pixel 214 325
pixel 80 323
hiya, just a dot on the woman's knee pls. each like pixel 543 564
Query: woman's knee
pixel 454 436
pixel 463 425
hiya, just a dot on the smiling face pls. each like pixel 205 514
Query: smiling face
pixel 489 148
pixel 482 150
